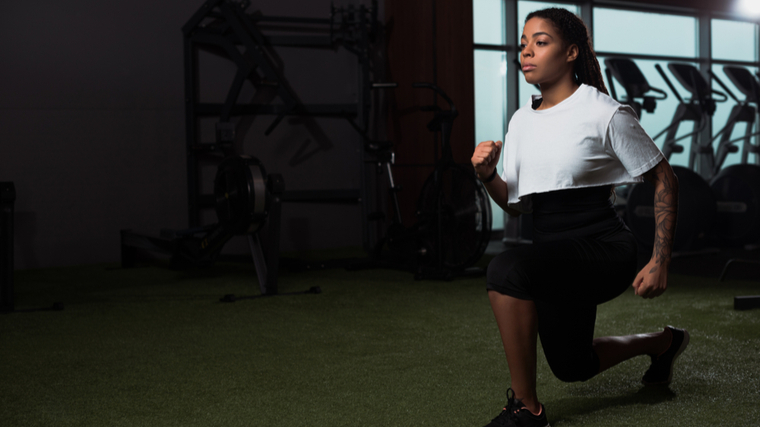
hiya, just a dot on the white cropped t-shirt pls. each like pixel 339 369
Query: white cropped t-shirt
pixel 587 140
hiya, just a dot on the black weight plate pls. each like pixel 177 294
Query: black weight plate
pixel 465 218
pixel 737 189
pixel 696 210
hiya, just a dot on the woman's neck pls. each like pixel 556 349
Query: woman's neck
pixel 556 92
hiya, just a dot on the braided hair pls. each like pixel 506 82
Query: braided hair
pixel 573 31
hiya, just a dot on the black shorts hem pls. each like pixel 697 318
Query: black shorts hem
pixel 511 292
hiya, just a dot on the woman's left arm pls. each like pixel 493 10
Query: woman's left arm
pixel 652 280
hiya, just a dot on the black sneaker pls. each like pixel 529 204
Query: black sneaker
pixel 661 370
pixel 515 414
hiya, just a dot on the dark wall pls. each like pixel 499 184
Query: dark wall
pixel 92 127
pixel 428 41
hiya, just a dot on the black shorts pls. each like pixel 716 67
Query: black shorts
pixel 582 255
pixel 582 251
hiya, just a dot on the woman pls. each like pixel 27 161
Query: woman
pixel 564 153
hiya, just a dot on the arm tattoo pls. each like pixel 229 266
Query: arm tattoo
pixel 665 211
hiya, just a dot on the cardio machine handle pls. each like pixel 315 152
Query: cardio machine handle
pixel 667 80
pixel 439 91
pixel 664 94
pixel 714 77
pixel 716 92
pixel 388 85
pixel 704 97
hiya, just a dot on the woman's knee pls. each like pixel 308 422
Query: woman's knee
pixel 571 376
pixel 571 369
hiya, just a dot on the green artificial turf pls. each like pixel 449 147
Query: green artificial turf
pixel 152 346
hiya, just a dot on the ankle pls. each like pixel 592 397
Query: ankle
pixel 537 411
pixel 532 405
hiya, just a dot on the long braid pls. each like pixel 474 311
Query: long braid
pixel 574 31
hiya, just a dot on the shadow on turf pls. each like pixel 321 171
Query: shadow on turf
pixel 583 405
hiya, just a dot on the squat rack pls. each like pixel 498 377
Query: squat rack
pixel 224 28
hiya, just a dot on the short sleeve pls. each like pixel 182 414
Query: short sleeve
pixel 630 143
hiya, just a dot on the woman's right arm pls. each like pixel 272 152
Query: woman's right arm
pixel 484 160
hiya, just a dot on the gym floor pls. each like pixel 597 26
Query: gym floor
pixel 155 346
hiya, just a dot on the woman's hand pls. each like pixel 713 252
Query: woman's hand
pixel 651 281
pixel 486 157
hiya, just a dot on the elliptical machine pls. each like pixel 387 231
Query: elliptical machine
pixel 697 205
pixel 635 84
pixel 737 187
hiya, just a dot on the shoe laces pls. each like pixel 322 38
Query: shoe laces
pixel 508 414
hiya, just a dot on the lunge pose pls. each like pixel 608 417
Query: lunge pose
pixel 564 153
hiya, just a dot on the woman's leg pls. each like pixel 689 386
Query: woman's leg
pixel 518 326
pixel 551 290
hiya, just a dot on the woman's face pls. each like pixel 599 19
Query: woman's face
pixel 544 56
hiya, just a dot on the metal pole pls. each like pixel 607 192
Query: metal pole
pixel 7 198
pixel 704 166
pixel 191 131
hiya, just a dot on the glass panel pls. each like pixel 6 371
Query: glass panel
pixel 655 122
pixel 491 107
pixel 644 33
pixel 524 7
pixel 722 112
pixel 488 21
pixel 734 40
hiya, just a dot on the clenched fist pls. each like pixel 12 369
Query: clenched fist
pixel 486 157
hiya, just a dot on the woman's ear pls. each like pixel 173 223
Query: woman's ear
pixel 572 53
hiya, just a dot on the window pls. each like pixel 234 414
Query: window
pixel 488 22
pixel 644 33
pixel 734 40
pixel 491 107
pixel 490 80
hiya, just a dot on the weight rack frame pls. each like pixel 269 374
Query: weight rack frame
pixel 223 27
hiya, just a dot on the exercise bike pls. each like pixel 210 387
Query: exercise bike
pixel 453 212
